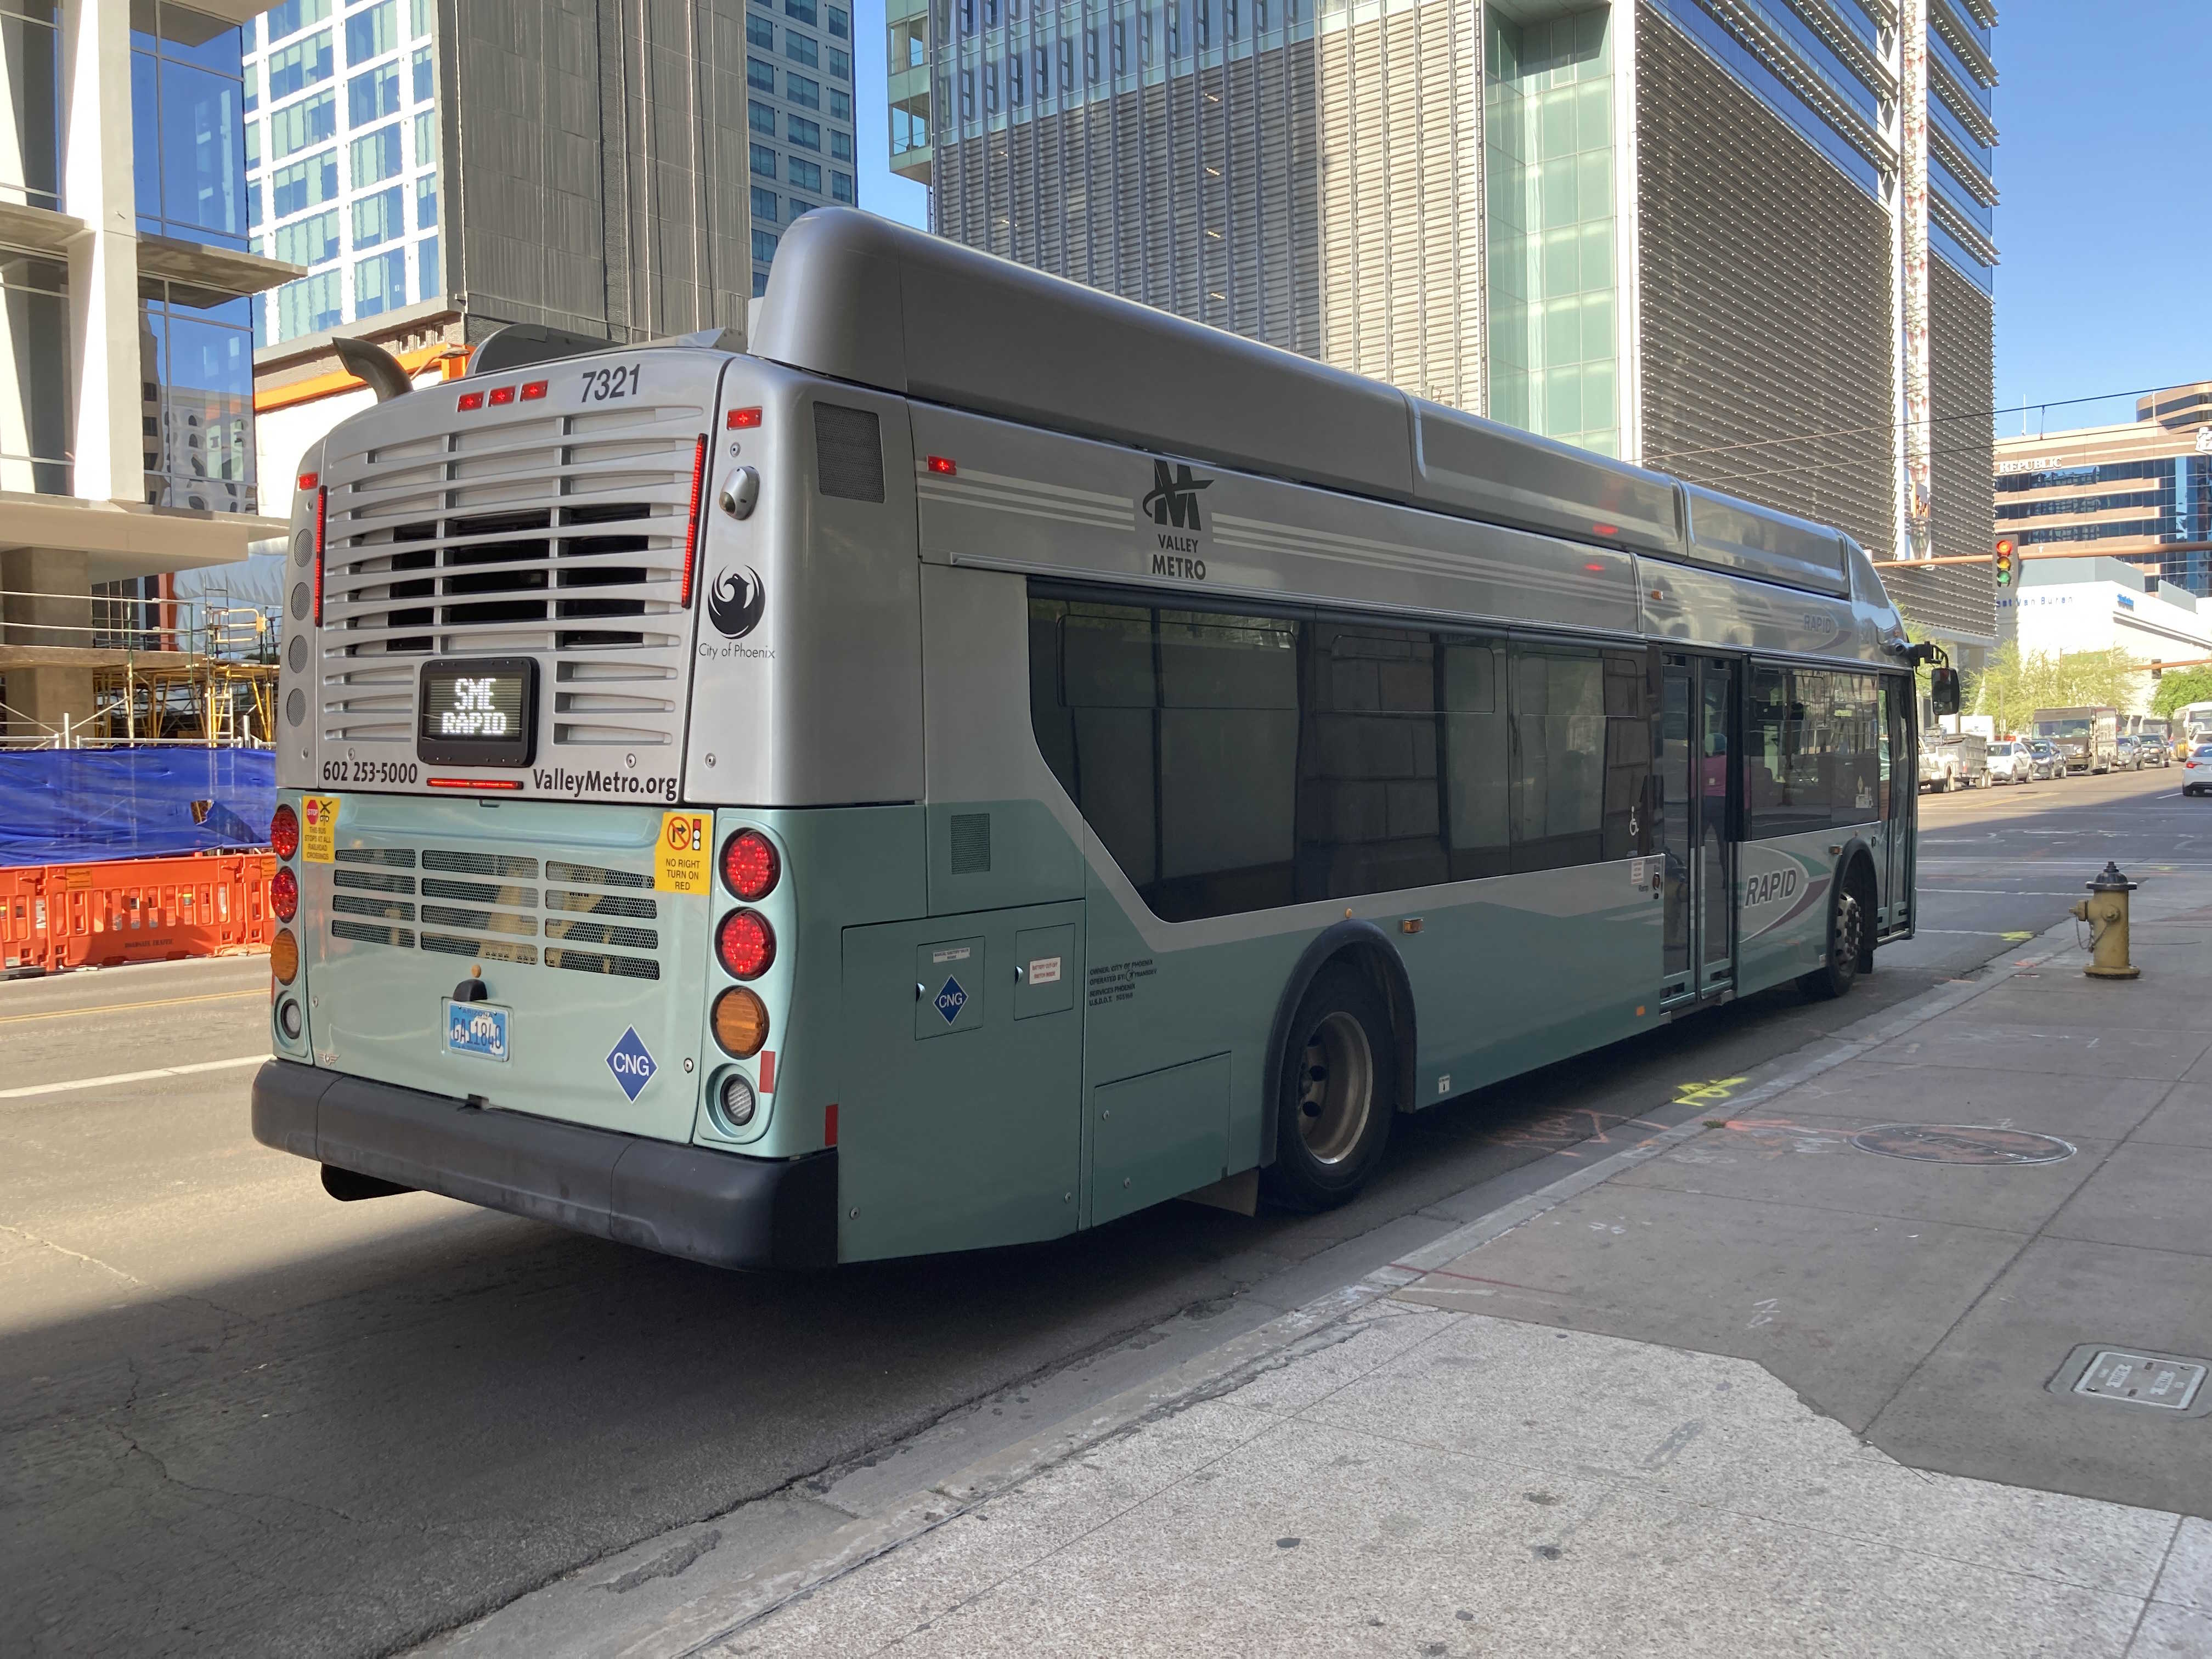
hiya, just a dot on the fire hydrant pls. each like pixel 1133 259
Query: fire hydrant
pixel 2106 910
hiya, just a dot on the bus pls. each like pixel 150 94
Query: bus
pixel 2191 724
pixel 988 758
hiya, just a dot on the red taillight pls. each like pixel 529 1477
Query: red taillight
pixel 745 943
pixel 500 395
pixel 749 866
pixel 322 518
pixel 474 783
pixel 744 419
pixel 470 400
pixel 309 480
pixel 284 832
pixel 943 464
pixel 284 894
pixel 691 523
pixel 533 390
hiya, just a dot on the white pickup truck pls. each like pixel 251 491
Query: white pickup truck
pixel 1953 760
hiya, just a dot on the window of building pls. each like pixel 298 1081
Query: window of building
pixel 763 246
pixel 1067 68
pixel 295 126
pixel 425 74
pixel 1235 762
pixel 759 117
pixel 841 188
pixel 301 184
pixel 840 105
pixel 801 48
pixel 310 305
pixel 803 132
pixel 763 161
pixel 967 94
pixel 292 16
pixel 804 175
pixel 806 94
pixel 376 156
pixel 430 274
pixel 426 138
pixel 425 201
pixel 1120 47
pixel 187 119
pixel 197 351
pixel 1014 80
pixel 797 208
pixel 759 31
pixel 991 88
pixel 760 283
pixel 967 17
pixel 840 24
pixel 302 65
pixel 802 10
pixel 372 31
pixel 379 218
pixel 253 204
pixel 841 64
pixel 36 440
pixel 1229 19
pixel 313 240
pixel 1172 17
pixel 760 77
pixel 764 205
pixel 373 95
pixel 379 282
pixel 420 15
pixel 840 146
pixel 1090 57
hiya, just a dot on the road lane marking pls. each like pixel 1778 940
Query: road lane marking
pixel 2001 892
pixel 132 1007
pixel 131 1076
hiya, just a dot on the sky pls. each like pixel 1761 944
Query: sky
pixel 2104 224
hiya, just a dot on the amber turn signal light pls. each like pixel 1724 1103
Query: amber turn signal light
pixel 740 1021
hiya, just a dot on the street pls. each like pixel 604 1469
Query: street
pixel 239 1417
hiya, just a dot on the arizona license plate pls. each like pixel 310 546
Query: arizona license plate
pixel 475 1028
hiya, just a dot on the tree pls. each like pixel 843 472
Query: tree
pixel 2015 685
pixel 2180 688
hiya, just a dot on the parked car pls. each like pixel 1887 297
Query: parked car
pixel 2049 762
pixel 2155 750
pixel 2200 760
pixel 2127 755
pixel 2011 762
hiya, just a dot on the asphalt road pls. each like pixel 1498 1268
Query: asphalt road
pixel 236 1417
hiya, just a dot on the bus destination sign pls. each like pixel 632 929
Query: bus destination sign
pixel 479 711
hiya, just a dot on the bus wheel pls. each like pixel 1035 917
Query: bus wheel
pixel 1339 1088
pixel 1846 945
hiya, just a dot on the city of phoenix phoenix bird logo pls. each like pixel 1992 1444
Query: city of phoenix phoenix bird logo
pixel 737 603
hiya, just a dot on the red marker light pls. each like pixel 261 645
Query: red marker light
pixel 741 419
pixel 502 394
pixel 470 400
pixel 1598 567
pixel 1605 530
pixel 533 390
pixel 309 480
pixel 691 523
pixel 322 518
pixel 474 783
pixel 829 1124
pixel 943 464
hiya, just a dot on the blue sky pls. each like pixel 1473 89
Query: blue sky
pixel 2104 224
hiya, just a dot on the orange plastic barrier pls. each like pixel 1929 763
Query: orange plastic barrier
pixel 55 917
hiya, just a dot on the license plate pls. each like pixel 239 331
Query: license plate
pixel 477 1029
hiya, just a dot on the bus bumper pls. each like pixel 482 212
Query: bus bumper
pixel 710 1206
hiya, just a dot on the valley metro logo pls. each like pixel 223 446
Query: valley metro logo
pixel 1174 501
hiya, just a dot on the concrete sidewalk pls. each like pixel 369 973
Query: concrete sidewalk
pixel 1747 1388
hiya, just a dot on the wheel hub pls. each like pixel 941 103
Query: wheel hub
pixel 1338 1092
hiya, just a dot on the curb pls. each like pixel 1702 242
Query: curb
pixel 800 1571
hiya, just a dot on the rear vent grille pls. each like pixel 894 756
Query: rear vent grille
pixel 848 452
pixel 560 537
pixel 492 920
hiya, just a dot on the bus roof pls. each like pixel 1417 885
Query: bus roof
pixel 862 298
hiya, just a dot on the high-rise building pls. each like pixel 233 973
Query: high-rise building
pixel 2141 491
pixel 445 168
pixel 126 414
pixel 1746 241
pixel 798 116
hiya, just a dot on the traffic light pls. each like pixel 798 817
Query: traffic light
pixel 2004 561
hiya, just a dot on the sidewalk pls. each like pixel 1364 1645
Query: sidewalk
pixel 1747 1389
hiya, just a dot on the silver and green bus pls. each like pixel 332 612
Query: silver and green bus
pixel 988 758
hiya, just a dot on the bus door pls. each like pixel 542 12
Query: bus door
pixel 1899 796
pixel 1697 825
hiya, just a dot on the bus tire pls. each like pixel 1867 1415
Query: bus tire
pixel 1339 1090
pixel 1847 944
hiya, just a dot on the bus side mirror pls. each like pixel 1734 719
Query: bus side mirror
pixel 1943 689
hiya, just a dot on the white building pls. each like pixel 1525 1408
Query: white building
pixel 2096 604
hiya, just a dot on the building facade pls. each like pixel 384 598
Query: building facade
pixel 1745 241
pixel 2098 602
pixel 2141 491
pixel 444 169
pixel 127 447
pixel 798 116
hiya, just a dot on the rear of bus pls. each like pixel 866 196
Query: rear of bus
pixel 561 679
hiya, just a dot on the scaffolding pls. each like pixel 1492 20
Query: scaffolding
pixel 164 671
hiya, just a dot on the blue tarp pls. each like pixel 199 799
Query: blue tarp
pixel 77 806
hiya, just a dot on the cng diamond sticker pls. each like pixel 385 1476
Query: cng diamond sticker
pixel 950 1000
pixel 632 1065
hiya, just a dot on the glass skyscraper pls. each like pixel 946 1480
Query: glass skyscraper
pixel 342 159
pixel 799 113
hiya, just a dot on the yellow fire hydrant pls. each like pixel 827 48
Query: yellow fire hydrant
pixel 2106 910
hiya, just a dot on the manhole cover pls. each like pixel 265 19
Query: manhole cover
pixel 1960 1143
pixel 2132 1376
